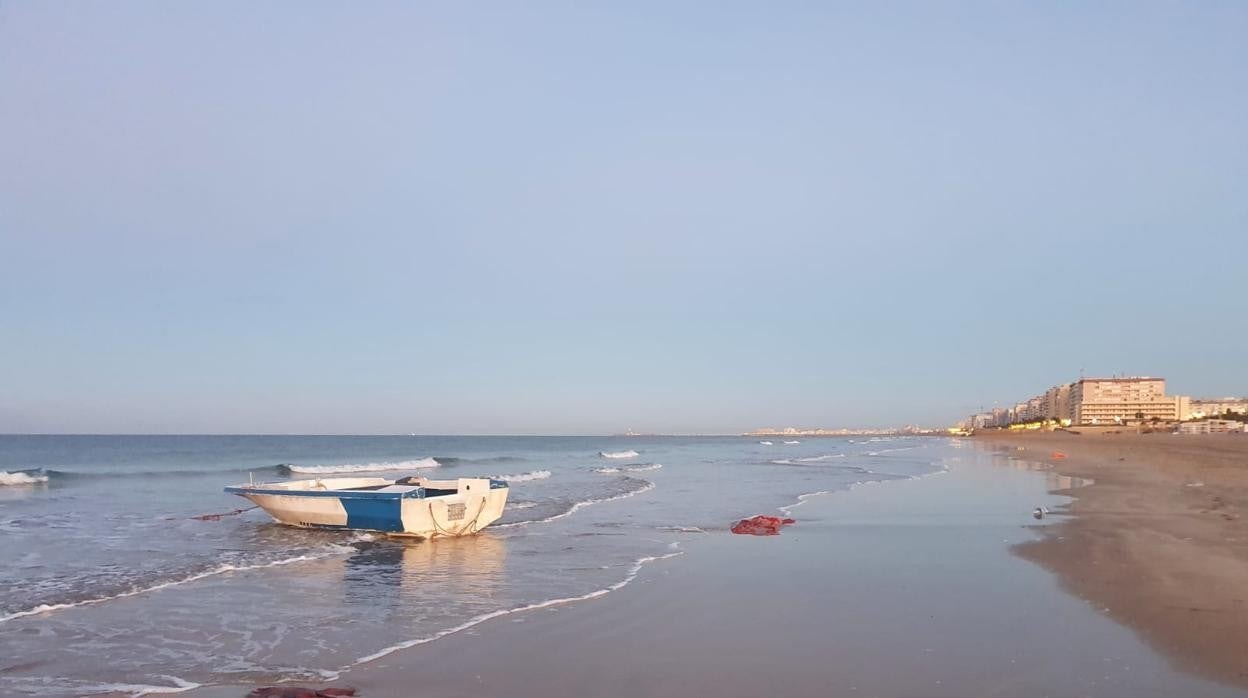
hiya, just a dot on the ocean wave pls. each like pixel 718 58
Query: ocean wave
pixel 765 443
pixel 682 529
pixel 877 479
pixel 637 487
pixel 524 477
pixel 891 450
pixel 51 475
pixel 34 476
pixel 791 443
pixel 138 689
pixel 456 460
pixel 363 467
pixel 332 550
pixel 521 505
pixel 633 571
pixel 619 454
pixel 806 461
pixel 801 499
pixel 642 468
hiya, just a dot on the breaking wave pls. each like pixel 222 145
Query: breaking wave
pixel 642 468
pixel 35 476
pixel 362 467
pixel 807 460
pixel 524 477
pixel 891 450
pixel 136 690
pixel 636 486
pixel 456 460
pixel 619 454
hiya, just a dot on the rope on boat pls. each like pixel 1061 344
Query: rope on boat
pixel 471 527
pixel 214 517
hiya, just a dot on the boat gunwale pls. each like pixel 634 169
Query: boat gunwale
pixel 417 493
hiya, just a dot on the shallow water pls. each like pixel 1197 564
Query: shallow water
pixel 107 582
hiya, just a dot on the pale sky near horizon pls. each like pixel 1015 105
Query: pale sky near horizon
pixel 586 217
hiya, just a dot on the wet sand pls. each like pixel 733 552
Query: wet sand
pixel 1159 540
pixel 907 588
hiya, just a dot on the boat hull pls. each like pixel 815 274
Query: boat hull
pixel 472 505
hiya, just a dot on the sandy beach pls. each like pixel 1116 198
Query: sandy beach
pixel 1159 540
pixel 905 588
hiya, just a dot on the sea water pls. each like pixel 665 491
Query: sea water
pixel 111 579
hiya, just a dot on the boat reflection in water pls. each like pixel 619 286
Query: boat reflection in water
pixel 415 574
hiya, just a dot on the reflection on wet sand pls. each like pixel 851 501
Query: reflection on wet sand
pixel 1056 481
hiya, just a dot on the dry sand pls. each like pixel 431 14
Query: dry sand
pixel 1160 540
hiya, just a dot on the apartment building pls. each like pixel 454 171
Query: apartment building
pixel 1124 401
pixel 1055 403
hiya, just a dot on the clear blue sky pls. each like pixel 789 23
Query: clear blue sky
pixel 580 217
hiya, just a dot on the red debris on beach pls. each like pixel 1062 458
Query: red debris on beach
pixel 761 526
pixel 1057 455
pixel 296 692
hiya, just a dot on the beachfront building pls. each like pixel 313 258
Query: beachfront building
pixel 1211 426
pixel 1216 407
pixel 1055 403
pixel 1001 417
pixel 1131 400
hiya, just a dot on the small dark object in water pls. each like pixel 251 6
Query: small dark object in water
pixel 1039 512
pixel 761 526
pixel 297 692
pixel 215 517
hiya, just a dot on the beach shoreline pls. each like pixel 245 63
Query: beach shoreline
pixel 1158 540
pixel 869 594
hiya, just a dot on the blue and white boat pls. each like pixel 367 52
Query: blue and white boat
pixel 410 506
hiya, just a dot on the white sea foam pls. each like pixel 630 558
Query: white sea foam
pixel 891 450
pixel 791 443
pixel 619 454
pixel 632 574
pixel 646 467
pixel 801 499
pixel 364 467
pixel 581 505
pixel 22 478
pixel 138 689
pixel 521 505
pixel 524 477
pixel 335 549
pixel 819 459
pixel 811 459
pixel 681 529
pixel 765 443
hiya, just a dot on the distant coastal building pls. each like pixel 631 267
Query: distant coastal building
pixel 1107 401
pixel 1211 426
pixel 1216 407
